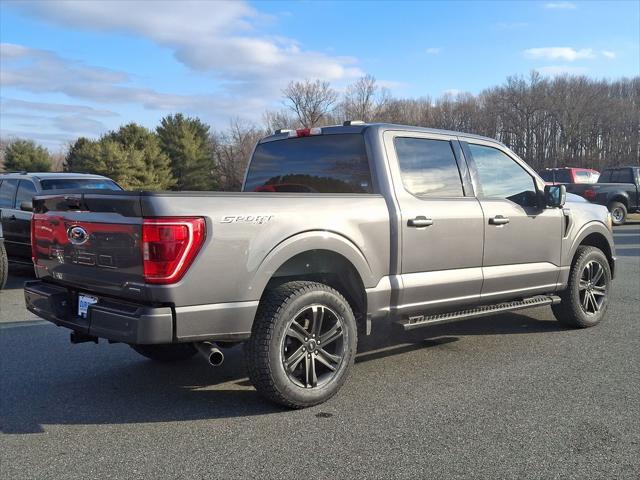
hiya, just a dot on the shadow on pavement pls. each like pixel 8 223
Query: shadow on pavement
pixel 18 274
pixel 47 381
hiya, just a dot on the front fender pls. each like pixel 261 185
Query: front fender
pixel 600 234
pixel 307 241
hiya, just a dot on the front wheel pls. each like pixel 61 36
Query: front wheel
pixel 586 298
pixel 302 344
pixel 618 213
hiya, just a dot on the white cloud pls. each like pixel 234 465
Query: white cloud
pixel 560 53
pixel 433 50
pixel 555 70
pixel 21 105
pixel 43 71
pixel 220 37
pixel 560 5
pixel 608 54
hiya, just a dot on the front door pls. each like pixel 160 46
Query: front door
pixel 441 230
pixel 522 245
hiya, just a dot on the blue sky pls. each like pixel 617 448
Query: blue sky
pixel 74 68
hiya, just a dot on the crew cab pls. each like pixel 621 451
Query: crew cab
pixel 338 230
pixel 16 191
pixel 617 188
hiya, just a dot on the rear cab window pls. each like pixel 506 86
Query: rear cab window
pixel 78 184
pixel 335 163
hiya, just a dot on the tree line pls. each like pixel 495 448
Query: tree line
pixel 549 122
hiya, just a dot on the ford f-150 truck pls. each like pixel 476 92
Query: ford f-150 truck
pixel 618 189
pixel 337 230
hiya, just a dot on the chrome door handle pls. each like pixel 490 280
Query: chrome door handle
pixel 419 222
pixel 498 220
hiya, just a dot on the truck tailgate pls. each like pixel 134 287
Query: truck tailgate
pixel 90 241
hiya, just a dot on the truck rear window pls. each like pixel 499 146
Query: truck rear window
pixel 78 184
pixel 317 164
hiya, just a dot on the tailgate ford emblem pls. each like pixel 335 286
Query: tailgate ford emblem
pixel 77 235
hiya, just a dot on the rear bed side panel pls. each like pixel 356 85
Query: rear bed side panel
pixel 249 235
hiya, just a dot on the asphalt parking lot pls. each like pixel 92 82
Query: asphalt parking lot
pixel 511 396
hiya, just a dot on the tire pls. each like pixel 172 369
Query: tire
pixel 4 266
pixel 585 300
pixel 310 327
pixel 618 213
pixel 166 353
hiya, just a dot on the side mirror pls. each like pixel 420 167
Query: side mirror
pixel 26 206
pixel 555 195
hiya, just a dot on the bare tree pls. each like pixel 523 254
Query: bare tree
pixel 274 120
pixel 232 149
pixel 311 101
pixel 360 99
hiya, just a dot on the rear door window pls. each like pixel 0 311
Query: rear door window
pixel 605 177
pixel 8 192
pixel 26 191
pixel 624 175
pixel 316 164
pixel 428 167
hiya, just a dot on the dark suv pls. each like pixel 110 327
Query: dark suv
pixel 16 191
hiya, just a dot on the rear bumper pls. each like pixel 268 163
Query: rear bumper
pixel 140 324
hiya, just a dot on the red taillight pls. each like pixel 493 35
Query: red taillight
pixel 169 245
pixel 589 194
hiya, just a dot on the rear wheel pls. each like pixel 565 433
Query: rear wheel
pixel 4 266
pixel 302 345
pixel 586 298
pixel 618 213
pixel 172 352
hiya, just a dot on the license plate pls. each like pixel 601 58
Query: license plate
pixel 83 304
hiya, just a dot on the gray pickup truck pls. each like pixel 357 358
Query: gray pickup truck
pixel 337 230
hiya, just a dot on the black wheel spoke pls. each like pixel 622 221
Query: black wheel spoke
pixel 316 322
pixel 294 359
pixel 331 335
pixel 311 379
pixel 585 301
pixel 298 332
pixel 328 360
pixel 599 272
pixel 596 305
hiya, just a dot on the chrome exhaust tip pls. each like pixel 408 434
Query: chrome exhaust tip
pixel 211 353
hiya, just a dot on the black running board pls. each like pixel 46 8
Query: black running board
pixel 418 321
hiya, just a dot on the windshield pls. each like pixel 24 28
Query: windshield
pixel 79 184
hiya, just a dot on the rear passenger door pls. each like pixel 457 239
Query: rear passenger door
pixel 522 240
pixel 8 189
pixel 22 220
pixel 441 224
